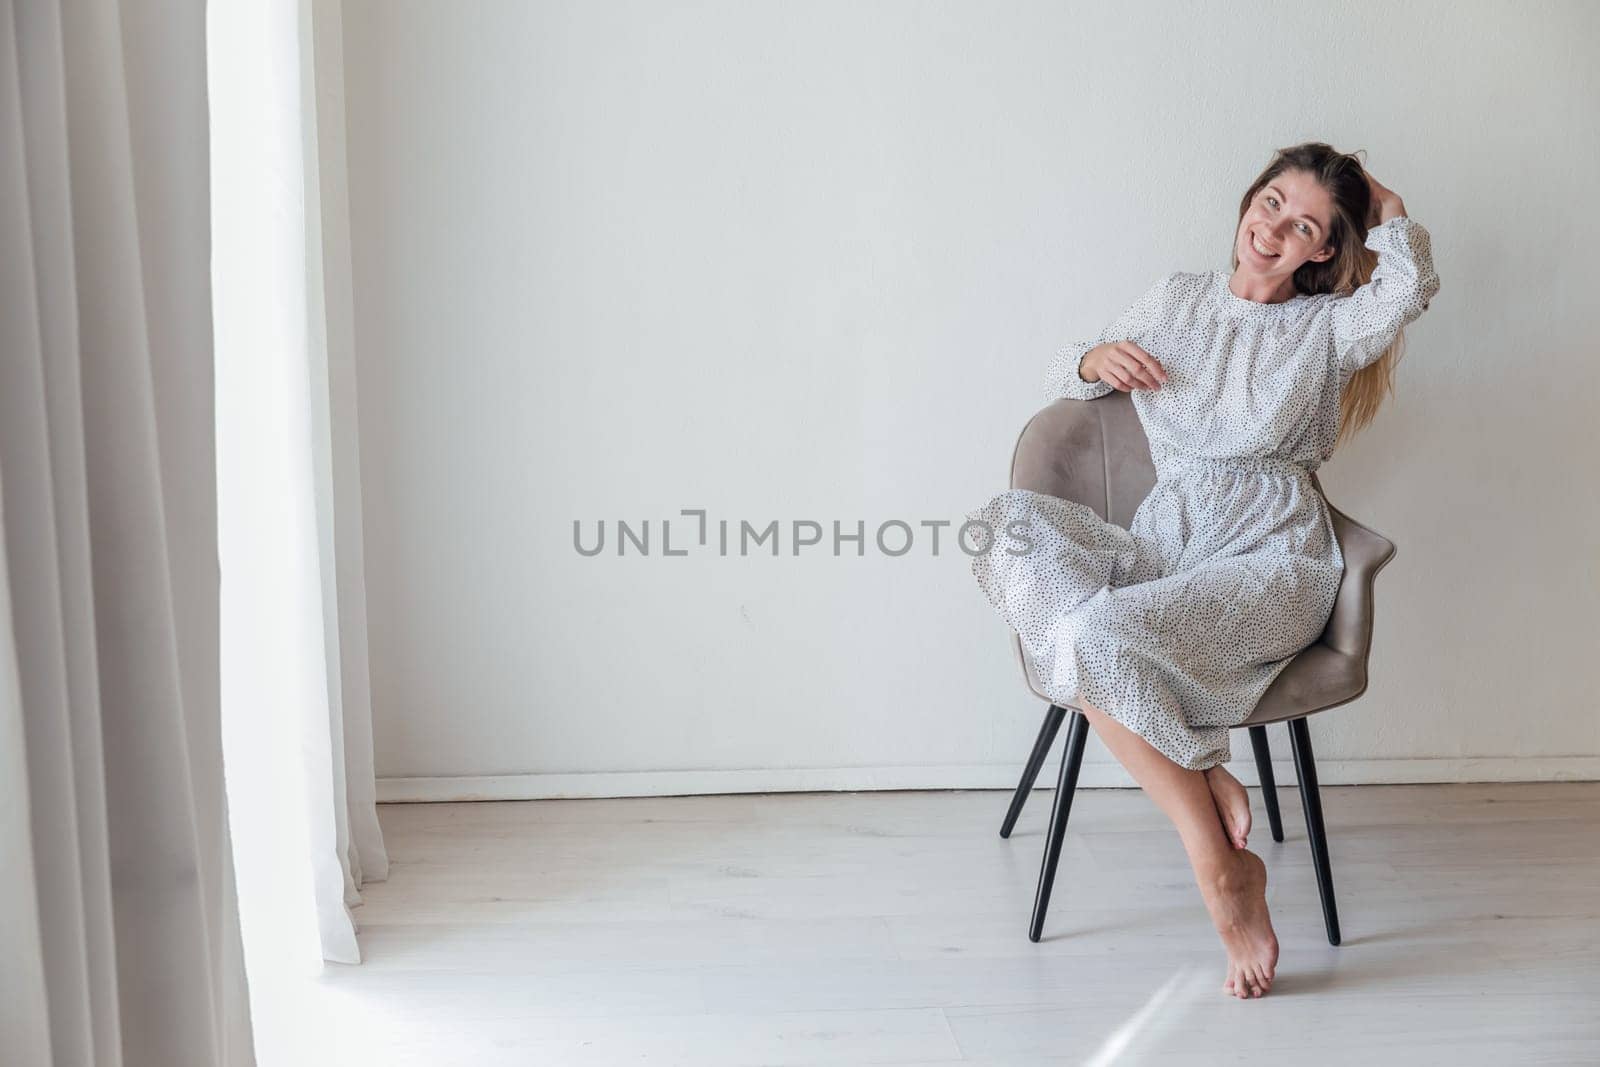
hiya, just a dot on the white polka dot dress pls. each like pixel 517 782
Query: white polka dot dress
pixel 1176 625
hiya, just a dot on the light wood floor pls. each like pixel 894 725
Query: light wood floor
pixel 891 927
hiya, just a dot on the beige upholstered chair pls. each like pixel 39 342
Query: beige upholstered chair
pixel 1095 452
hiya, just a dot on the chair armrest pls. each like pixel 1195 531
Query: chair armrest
pixel 1061 453
pixel 1093 452
pixel 1366 552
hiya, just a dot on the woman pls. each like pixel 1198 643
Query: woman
pixel 1167 633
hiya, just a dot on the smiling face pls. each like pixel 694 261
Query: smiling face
pixel 1285 226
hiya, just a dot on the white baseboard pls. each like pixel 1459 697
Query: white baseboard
pixel 1099 775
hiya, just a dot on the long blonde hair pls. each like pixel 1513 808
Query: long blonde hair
pixel 1349 268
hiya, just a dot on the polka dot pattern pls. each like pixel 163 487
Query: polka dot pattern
pixel 1176 625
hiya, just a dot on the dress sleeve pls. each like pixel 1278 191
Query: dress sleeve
pixel 1061 377
pixel 1403 282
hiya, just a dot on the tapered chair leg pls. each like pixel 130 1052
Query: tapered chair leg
pixel 1305 768
pixel 1066 786
pixel 1269 784
pixel 1030 773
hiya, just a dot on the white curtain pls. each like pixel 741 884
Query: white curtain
pixel 297 708
pixel 119 934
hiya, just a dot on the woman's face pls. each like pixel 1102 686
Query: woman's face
pixel 1285 225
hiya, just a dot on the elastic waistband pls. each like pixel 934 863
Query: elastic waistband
pixel 1178 465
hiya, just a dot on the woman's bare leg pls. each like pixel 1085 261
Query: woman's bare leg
pixel 1233 803
pixel 1233 881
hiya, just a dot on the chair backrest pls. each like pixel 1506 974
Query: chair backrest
pixel 1095 452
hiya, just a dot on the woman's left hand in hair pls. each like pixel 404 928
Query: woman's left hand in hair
pixel 1386 203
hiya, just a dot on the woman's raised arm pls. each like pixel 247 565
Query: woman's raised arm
pixel 1403 283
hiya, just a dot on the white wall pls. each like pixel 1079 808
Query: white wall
pixel 808 261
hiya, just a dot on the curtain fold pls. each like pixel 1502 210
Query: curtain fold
pixel 118 918
pixel 335 444
pixel 298 718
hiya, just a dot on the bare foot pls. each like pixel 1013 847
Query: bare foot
pixel 1237 900
pixel 1233 804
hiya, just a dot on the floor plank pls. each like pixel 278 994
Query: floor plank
pixel 890 927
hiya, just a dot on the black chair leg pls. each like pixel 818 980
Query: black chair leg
pixel 1305 768
pixel 1030 773
pixel 1066 786
pixel 1269 784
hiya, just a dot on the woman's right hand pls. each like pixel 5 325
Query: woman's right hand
pixel 1122 365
